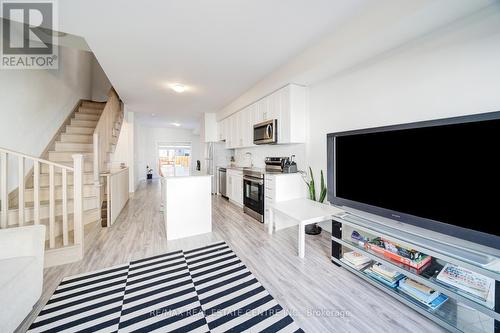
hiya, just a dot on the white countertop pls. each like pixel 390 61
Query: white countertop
pixel 263 170
pixel 194 174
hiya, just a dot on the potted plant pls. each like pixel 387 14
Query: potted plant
pixel 149 173
pixel 314 229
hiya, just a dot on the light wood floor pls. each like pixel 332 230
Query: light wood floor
pixel 320 296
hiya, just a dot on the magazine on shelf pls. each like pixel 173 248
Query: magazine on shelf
pixel 465 280
pixel 435 304
pixel 418 291
pixel 385 272
pixel 356 258
pixel 356 267
pixel 391 282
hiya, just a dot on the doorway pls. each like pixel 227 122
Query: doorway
pixel 174 159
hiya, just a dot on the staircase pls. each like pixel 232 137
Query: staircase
pixel 71 169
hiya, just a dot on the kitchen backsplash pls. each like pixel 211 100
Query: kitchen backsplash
pixel 259 154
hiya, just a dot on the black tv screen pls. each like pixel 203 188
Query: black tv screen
pixel 442 175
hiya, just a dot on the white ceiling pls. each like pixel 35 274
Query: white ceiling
pixel 218 48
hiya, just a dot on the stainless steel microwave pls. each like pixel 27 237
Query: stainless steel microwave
pixel 265 132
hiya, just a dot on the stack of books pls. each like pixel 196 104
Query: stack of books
pixel 386 275
pixel 427 296
pixel 465 280
pixel 396 252
pixel 356 260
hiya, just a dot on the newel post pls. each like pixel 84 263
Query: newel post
pixel 78 200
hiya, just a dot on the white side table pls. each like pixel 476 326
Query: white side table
pixel 305 212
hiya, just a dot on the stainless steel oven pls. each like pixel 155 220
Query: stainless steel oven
pixel 253 194
pixel 265 132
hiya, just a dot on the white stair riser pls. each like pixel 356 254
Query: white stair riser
pixel 79 130
pixel 72 146
pixel 88 191
pixel 76 138
pixel 88 179
pixel 88 166
pixel 63 156
pixel 88 203
pixel 83 123
pixel 86 116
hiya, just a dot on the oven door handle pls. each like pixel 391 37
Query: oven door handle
pixel 258 181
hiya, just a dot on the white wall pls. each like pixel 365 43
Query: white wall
pixel 261 152
pixel 453 71
pixel 146 146
pixel 34 103
pixel 100 82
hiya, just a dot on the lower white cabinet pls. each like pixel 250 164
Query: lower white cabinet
pixel 282 187
pixel 234 186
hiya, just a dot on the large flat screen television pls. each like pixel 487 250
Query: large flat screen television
pixel 442 175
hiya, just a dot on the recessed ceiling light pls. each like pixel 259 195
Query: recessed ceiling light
pixel 153 114
pixel 178 88
pixel 175 124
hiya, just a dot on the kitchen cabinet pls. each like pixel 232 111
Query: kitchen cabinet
pixel 208 128
pixel 261 109
pixel 288 105
pixel 282 187
pixel 234 186
pixel 231 140
pixel 274 106
pixel 293 111
pixel 221 135
pixel 247 126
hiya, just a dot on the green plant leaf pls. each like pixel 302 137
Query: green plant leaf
pixel 322 194
pixel 312 186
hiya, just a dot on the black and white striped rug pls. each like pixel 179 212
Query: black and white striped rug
pixel 203 290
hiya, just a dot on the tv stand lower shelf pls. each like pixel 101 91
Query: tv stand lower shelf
pixel 460 312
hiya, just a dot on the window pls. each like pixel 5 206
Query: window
pixel 174 159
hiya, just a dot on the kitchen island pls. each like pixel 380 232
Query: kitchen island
pixel 187 203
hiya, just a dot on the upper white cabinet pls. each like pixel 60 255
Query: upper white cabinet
pixel 221 134
pixel 288 105
pixel 208 129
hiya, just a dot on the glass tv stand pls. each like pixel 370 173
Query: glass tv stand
pixel 466 279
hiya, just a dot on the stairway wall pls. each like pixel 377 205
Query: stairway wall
pixel 35 103
pixel 100 82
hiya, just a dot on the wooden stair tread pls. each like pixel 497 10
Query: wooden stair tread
pixel 46 202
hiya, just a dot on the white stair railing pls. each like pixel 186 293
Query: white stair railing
pixel 105 135
pixel 50 210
